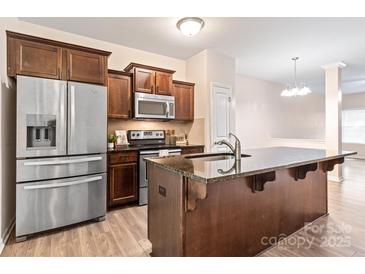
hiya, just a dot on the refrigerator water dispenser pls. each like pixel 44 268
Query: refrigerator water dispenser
pixel 41 131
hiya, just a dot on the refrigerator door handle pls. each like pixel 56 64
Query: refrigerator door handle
pixel 71 116
pixel 56 185
pixel 63 162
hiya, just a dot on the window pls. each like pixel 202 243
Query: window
pixel 353 126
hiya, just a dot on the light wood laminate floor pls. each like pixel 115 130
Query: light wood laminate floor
pixel 124 233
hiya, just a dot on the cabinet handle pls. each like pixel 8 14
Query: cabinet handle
pixel 59 72
pixel 152 88
pixel 129 113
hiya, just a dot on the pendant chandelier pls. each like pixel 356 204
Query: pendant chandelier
pixel 295 89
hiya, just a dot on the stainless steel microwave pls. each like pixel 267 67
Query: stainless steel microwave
pixel 152 106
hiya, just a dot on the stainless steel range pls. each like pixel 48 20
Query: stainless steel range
pixel 152 144
pixel 61 154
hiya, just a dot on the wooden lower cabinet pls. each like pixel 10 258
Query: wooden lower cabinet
pixel 122 179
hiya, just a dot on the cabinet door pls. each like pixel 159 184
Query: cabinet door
pixel 36 59
pixel 119 96
pixel 144 80
pixel 163 83
pixel 184 102
pixel 123 186
pixel 86 67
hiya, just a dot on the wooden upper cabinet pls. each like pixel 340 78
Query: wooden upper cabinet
pixel 184 100
pixel 86 67
pixel 119 95
pixel 40 57
pixel 144 80
pixel 163 83
pixel 151 79
pixel 36 59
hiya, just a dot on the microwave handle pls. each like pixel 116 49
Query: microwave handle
pixel 167 109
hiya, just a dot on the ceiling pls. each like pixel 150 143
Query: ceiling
pixel 262 47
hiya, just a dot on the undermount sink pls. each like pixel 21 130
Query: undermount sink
pixel 214 157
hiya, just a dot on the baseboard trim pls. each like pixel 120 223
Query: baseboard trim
pixel 7 233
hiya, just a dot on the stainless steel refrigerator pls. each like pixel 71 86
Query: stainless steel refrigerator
pixel 61 154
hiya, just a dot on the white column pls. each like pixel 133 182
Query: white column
pixel 333 114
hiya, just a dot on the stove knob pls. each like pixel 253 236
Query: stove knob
pixel 137 134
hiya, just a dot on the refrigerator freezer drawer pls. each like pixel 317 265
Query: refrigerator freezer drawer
pixel 56 203
pixel 59 167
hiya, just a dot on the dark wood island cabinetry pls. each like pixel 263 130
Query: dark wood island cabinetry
pixel 206 207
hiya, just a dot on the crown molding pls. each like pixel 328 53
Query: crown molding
pixel 338 64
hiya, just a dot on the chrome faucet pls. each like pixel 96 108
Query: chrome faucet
pixel 236 149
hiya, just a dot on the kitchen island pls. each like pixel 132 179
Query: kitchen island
pixel 212 205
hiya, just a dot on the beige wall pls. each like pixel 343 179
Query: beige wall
pixel 179 127
pixel 262 114
pixel 300 117
pixel 204 68
pixel 354 101
pixel 196 72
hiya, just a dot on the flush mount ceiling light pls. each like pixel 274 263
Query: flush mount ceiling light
pixel 190 26
pixel 295 90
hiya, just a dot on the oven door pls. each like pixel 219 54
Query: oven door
pixel 143 180
pixel 153 106
pixel 143 167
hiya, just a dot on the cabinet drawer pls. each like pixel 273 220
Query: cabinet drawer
pixel 122 157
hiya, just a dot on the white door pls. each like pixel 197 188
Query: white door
pixel 221 109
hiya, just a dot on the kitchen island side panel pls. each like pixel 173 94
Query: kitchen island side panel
pixel 165 211
pixel 234 221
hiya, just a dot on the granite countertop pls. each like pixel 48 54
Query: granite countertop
pixel 145 147
pixel 260 161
